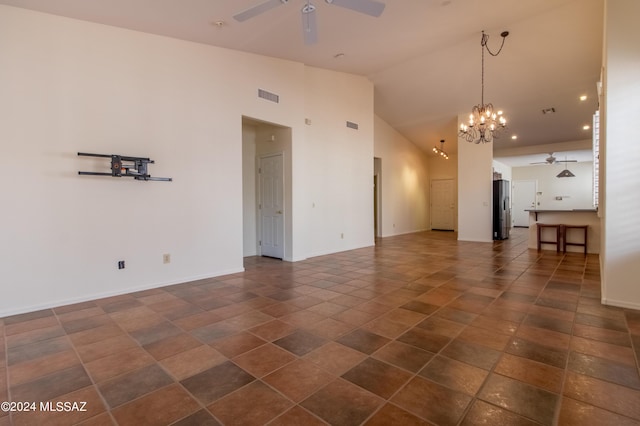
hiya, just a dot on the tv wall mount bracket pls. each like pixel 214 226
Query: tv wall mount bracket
pixel 125 166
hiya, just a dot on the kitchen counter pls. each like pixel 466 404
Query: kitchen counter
pixel 536 211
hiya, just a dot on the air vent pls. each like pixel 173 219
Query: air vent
pixel 268 96
pixel 352 125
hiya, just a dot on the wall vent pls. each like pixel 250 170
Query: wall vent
pixel 352 125
pixel 268 96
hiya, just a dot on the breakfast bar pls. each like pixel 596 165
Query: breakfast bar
pixel 571 219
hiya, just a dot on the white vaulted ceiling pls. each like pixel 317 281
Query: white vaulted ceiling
pixel 423 56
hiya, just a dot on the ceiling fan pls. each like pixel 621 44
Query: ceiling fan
pixel 553 160
pixel 368 7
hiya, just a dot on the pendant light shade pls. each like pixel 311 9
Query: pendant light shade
pixel 565 173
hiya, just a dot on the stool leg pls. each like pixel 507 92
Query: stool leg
pixel 539 234
pixel 558 239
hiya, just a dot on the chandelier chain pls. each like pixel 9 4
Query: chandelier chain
pixel 484 42
pixel 485 38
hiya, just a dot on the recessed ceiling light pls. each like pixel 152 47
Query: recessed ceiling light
pixel 514 137
pixel 218 24
pixel 586 127
pixel 338 56
pixel 583 97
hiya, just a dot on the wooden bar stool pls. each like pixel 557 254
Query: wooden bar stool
pixel 565 243
pixel 542 226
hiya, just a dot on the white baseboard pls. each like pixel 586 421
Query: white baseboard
pixel 395 234
pixel 324 253
pixel 620 304
pixel 95 296
pixel 471 240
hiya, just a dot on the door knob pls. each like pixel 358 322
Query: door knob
pixel 279 212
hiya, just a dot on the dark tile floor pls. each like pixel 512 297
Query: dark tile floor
pixel 419 330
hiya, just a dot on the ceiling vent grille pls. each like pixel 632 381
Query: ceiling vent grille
pixel 268 96
pixel 352 125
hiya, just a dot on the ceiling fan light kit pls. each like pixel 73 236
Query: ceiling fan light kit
pixel 485 123
pixel 308 12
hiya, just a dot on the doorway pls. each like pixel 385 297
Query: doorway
pixel 443 203
pixel 523 197
pixel 267 191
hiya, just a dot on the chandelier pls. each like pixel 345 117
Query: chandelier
pixel 440 151
pixel 485 123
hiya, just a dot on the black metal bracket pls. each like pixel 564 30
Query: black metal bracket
pixel 125 166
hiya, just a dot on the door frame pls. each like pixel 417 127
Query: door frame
pixel 261 137
pixel 377 197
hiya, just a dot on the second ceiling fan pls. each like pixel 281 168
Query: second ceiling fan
pixel 553 160
pixel 308 11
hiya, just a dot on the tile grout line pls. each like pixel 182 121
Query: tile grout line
pixel 556 417
pixel 503 352
pixel 93 383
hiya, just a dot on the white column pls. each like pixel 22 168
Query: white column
pixel 620 156
pixel 474 189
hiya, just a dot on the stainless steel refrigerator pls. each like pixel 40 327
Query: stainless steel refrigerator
pixel 501 209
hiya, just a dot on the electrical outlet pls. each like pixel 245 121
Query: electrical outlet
pixel 166 258
pixel 120 264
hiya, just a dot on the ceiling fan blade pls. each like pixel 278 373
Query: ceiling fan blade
pixel 309 27
pixel 257 10
pixel 368 7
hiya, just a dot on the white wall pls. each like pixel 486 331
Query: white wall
pixel 503 169
pixel 405 182
pixel 576 192
pixel 443 169
pixel 620 155
pixel 335 208
pixel 72 86
pixel 474 190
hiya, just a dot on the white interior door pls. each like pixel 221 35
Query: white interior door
pixel 523 196
pixel 271 206
pixel 443 204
